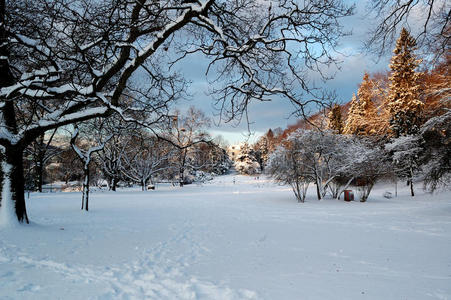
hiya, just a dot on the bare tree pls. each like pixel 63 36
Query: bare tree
pixel 41 151
pixel 85 154
pixel 111 157
pixel 369 167
pixel 185 133
pixel 145 157
pixel 429 19
pixel 286 166
pixel 75 60
pixel 323 156
pixel 328 160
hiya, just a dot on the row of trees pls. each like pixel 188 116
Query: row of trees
pixel 331 161
pixel 409 111
pixel 397 126
pixel 111 150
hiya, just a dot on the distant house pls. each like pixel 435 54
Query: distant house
pixel 234 151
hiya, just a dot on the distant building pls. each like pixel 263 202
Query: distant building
pixel 234 150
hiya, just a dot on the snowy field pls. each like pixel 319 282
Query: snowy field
pixel 225 240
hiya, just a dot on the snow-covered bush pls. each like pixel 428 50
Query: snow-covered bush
pixel 201 176
pixel 425 155
pixel 312 156
pixel 246 163
pixel 217 162
pixel 405 151
pixel 329 160
pixel 372 164
pixel 247 166
pixel 286 167
pixel 435 158
pixel 324 157
pixel 222 167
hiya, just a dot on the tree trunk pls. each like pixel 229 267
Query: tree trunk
pixel 13 194
pixel 411 182
pixel 143 185
pixel 344 188
pixel 85 196
pixel 13 198
pixel 113 184
pixel 318 193
pixel 366 192
pixel 181 177
pixel 396 187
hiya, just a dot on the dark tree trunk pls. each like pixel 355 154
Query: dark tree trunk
pixel 12 164
pixel 113 184
pixel 6 77
pixel 143 185
pixel 85 197
pixel 181 177
pixel 411 182
pixel 318 193
pixel 182 168
pixel 13 176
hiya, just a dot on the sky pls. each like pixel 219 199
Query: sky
pixel 279 112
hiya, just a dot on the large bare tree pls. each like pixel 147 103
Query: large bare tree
pixel 429 20
pixel 185 132
pixel 74 60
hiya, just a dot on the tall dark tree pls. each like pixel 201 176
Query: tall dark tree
pixel 403 100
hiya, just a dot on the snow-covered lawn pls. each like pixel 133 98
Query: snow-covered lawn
pixel 225 240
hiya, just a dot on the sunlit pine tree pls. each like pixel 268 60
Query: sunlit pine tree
pixel 368 111
pixel 404 92
pixel 354 119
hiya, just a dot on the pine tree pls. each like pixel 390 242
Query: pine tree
pixel 335 120
pixel 363 118
pixel 354 117
pixel 366 93
pixel 403 98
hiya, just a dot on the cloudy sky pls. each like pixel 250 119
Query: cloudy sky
pixel 278 113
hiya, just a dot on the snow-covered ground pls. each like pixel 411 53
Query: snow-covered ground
pixel 224 240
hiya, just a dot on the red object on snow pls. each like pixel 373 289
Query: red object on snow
pixel 349 195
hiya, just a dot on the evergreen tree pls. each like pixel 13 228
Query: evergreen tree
pixel 246 162
pixel 271 140
pixel 403 98
pixel 335 119
pixel 363 118
pixel 261 151
pixel 354 118
pixel 366 93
